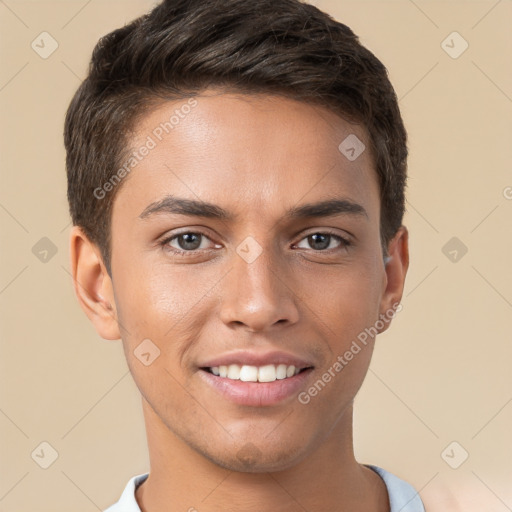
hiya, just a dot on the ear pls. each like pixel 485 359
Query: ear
pixel 92 285
pixel 396 265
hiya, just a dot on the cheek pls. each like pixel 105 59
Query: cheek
pixel 165 305
pixel 151 296
pixel 352 304
pixel 345 302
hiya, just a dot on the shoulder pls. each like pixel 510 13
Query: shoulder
pixel 127 501
pixel 402 495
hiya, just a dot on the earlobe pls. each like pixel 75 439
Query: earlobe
pixel 92 285
pixel 396 264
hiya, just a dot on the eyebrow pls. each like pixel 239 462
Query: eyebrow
pixel 195 208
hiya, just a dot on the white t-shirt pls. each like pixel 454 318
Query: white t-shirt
pixel 402 496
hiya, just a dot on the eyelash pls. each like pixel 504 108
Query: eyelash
pixel 165 243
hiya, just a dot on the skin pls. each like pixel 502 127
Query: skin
pixel 256 156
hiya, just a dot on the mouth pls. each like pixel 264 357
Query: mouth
pixel 256 386
pixel 256 378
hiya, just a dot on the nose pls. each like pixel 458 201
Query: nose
pixel 259 294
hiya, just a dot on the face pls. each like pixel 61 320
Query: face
pixel 246 243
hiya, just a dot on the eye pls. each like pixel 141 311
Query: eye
pixel 186 242
pixel 321 241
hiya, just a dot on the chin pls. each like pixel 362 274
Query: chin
pixel 250 458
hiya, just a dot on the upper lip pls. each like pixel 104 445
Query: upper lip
pixel 245 357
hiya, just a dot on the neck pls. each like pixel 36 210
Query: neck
pixel 328 479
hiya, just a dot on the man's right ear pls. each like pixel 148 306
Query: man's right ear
pixel 92 285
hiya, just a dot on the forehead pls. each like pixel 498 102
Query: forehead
pixel 248 150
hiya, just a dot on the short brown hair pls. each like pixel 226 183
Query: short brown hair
pixel 182 47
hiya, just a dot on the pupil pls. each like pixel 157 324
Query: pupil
pixel 313 239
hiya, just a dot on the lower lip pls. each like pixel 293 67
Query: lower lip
pixel 257 394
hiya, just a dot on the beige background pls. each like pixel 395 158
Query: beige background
pixel 441 374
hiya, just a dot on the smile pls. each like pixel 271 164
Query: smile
pixel 256 391
pixel 249 373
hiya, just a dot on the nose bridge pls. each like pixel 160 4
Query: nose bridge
pixel 256 272
pixel 255 294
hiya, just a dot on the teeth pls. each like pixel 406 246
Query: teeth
pixel 233 372
pixel 281 371
pixel 266 373
pixel 247 373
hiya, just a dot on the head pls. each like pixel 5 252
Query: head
pixel 271 140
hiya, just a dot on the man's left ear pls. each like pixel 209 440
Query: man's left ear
pixel 396 265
